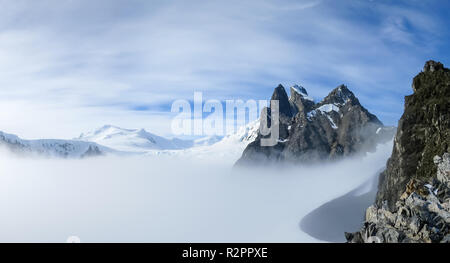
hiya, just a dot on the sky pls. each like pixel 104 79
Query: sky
pixel 70 66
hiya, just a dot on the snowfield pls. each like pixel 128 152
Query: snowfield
pixel 168 198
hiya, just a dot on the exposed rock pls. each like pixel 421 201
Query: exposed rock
pixel 420 217
pixel 431 66
pixel 443 168
pixel 335 127
pixel 280 95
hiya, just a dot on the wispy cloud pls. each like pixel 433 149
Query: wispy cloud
pixel 93 60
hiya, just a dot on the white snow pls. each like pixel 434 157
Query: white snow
pixel 228 150
pixel 298 89
pixel 378 130
pixel 208 140
pixel 324 109
pixel 52 147
pixel 333 125
pixel 327 108
pixel 311 114
pixel 116 140
pixel 132 140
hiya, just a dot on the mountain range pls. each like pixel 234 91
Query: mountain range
pixel 140 140
pixel 52 147
pixel 114 140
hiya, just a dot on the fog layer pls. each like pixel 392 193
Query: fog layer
pixel 156 199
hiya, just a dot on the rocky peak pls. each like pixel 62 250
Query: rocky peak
pixel 432 66
pixel 315 132
pixel 340 96
pixel 280 94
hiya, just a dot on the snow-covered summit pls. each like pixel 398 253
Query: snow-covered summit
pixel 132 140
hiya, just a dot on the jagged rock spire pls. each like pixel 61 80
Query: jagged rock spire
pixel 431 66
pixel 281 95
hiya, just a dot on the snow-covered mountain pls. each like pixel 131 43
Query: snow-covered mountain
pixel 336 127
pixel 52 148
pixel 133 140
pixel 115 140
pixel 227 150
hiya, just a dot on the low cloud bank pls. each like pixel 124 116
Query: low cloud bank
pixel 166 199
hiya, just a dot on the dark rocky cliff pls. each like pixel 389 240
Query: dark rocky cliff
pixel 413 199
pixel 423 132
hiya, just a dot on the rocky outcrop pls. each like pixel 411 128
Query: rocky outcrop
pixel 413 199
pixel 335 127
pixel 423 132
pixel 422 213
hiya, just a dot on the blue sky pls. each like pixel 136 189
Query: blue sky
pixel 67 66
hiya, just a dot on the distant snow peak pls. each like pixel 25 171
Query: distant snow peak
pixel 302 92
pixel 132 140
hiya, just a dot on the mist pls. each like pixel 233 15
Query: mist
pixel 167 199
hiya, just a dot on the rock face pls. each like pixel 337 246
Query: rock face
pixel 413 199
pixel 423 132
pixel 337 126
pixel 421 215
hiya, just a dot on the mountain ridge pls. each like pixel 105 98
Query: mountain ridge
pixel 52 147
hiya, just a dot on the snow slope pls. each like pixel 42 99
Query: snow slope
pixel 228 150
